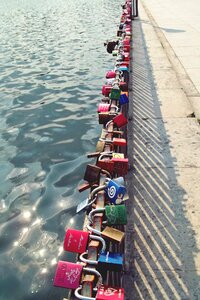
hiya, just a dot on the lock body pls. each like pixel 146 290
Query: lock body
pixel 107 292
pixel 103 107
pixel 111 261
pixel 106 164
pixel 68 275
pixel 123 99
pixel 110 74
pixel 115 93
pixel 115 192
pixel 106 90
pixel 92 174
pixel 120 166
pixel 120 120
pixel 116 214
pixel 76 240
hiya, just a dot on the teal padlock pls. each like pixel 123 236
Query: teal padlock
pixel 115 214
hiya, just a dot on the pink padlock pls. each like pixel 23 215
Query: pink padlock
pixel 103 107
pixel 77 240
pixel 106 90
pixel 110 74
pixel 68 275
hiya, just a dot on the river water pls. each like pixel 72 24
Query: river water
pixel 52 67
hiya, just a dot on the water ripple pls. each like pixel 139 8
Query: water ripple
pixel 52 63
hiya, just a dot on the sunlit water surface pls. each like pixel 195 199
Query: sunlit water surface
pixel 52 66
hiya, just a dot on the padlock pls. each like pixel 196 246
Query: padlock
pixel 106 260
pixel 111 74
pixel 122 68
pixel 123 99
pixel 123 86
pixel 103 107
pixel 120 120
pixel 115 93
pixel 78 240
pixel 110 233
pixel 68 275
pixel 115 214
pixel 114 191
pixel 100 146
pixel 103 293
pixel 106 164
pixel 117 155
pixel 105 117
pixel 106 90
pixel 120 166
pixel 92 174
pixel 119 142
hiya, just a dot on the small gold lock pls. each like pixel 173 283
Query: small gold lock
pixel 113 234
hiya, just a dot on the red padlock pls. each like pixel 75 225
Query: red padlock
pixel 103 293
pixel 77 240
pixel 120 120
pixel 110 74
pixel 108 292
pixel 106 90
pixel 103 107
pixel 119 142
pixel 126 56
pixel 106 164
pixel 120 166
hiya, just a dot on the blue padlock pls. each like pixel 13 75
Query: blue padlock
pixel 115 191
pixel 112 260
pixel 123 99
pixel 106 260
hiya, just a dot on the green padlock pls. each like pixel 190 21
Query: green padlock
pixel 115 214
pixel 115 93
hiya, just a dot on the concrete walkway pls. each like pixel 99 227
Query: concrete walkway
pixel 163 232
pixel 178 25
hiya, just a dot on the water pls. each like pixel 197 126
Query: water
pixel 52 65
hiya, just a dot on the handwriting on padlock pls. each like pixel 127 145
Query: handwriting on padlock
pixel 73 275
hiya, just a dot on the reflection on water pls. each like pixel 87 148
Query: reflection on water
pixel 52 64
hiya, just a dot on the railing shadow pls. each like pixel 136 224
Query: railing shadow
pixel 160 243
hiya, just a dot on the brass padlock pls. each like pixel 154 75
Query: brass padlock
pixel 100 146
pixel 109 233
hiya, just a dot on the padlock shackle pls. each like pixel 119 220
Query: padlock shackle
pixel 79 296
pixel 93 212
pixel 106 172
pixel 91 229
pixel 100 239
pixel 96 190
pixel 87 261
pixel 94 272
